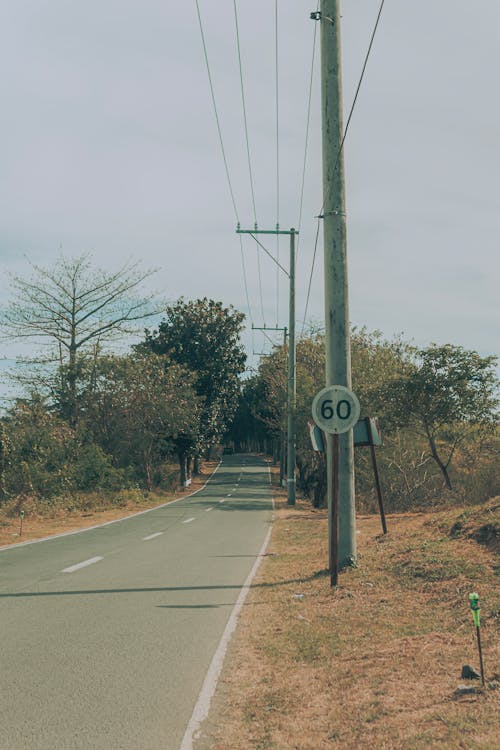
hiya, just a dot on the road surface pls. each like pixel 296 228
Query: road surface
pixel 106 635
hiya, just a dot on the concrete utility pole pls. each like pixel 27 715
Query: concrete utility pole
pixel 291 388
pixel 283 439
pixel 338 347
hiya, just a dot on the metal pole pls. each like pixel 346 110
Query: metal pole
pixel 283 430
pixel 479 648
pixel 291 387
pixel 291 378
pixel 379 489
pixel 338 355
pixel 333 514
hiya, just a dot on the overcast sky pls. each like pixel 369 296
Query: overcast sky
pixel 109 144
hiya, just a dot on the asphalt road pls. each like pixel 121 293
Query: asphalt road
pixel 106 635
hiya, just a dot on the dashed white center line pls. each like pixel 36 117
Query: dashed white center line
pixel 188 520
pixel 83 564
pixel 152 536
pixel 207 509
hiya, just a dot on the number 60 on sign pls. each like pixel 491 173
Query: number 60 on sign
pixel 336 409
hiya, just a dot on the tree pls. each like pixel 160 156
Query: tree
pixel 42 448
pixel 204 337
pixel 76 308
pixel 447 394
pixel 140 408
pixel 5 451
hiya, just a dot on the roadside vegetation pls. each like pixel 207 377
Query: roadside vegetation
pixel 438 412
pixel 98 419
pixel 96 427
pixel 100 432
pixel 377 661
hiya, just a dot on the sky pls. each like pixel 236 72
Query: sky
pixel 109 144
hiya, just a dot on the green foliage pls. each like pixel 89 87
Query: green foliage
pixel 427 400
pixel 47 458
pixel 95 421
pixel 92 469
pixel 446 394
pixel 138 406
pixel 203 337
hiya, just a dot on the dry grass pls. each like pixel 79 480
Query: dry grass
pixel 44 520
pixel 375 663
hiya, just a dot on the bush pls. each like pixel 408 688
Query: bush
pixel 93 469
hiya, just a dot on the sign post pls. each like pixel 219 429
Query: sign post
pixel 474 604
pixel 336 410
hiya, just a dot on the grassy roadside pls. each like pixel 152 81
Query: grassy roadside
pixel 377 662
pixel 91 509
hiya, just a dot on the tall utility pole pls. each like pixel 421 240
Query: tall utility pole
pixel 283 439
pixel 338 348
pixel 291 387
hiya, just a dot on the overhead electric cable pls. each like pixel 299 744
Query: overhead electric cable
pixel 249 160
pixel 244 110
pixel 260 285
pixel 359 83
pixel 242 254
pixel 226 167
pixel 270 255
pixel 219 130
pixel 269 338
pixel 343 141
pixel 308 119
pixel 310 277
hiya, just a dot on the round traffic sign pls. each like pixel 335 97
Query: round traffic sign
pixel 335 409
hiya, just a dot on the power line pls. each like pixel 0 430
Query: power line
pixel 359 84
pixel 245 280
pixel 260 283
pixel 244 111
pixel 226 167
pixel 242 255
pixel 219 130
pixel 342 143
pixel 308 119
pixel 249 160
pixel 311 276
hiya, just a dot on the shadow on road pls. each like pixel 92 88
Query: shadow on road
pixel 155 589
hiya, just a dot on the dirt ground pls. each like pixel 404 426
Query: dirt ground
pixel 376 662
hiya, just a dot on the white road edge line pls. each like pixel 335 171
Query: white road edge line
pixel 151 536
pixel 83 564
pixel 109 523
pixel 188 520
pixel 202 706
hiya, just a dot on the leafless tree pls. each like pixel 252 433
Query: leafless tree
pixel 77 308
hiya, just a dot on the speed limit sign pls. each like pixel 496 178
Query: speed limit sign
pixel 336 409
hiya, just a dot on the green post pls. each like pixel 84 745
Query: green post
pixel 474 604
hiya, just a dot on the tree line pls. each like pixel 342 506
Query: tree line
pixel 92 419
pixel 437 407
